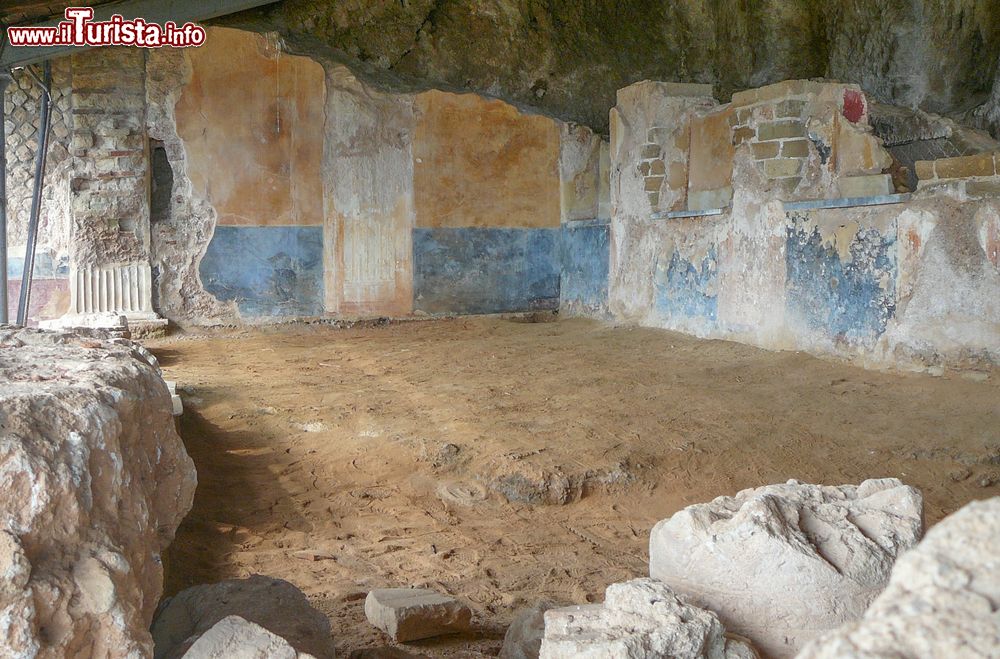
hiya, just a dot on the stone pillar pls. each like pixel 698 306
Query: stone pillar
pixel 110 247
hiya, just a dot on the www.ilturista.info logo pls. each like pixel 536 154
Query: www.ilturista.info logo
pixel 79 29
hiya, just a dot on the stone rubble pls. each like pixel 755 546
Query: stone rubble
pixel 94 481
pixel 942 599
pixel 234 637
pixel 640 619
pixel 411 614
pixel 523 639
pixel 177 405
pixel 274 604
pixel 782 564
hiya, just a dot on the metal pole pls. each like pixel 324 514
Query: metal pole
pixel 5 79
pixel 36 199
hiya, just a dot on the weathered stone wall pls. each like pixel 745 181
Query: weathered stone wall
pixel 488 206
pixel 322 221
pixel 651 123
pixel 446 203
pixel 109 184
pixel 368 183
pixel 94 481
pixel 584 241
pixel 181 234
pixel 853 282
pixel 839 281
pixel 976 173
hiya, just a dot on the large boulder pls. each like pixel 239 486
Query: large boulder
pixel 94 481
pixel 640 619
pixel 274 604
pixel 782 564
pixel 941 601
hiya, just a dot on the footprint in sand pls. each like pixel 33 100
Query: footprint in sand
pixel 463 494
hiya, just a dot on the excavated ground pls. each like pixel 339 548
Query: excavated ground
pixel 507 462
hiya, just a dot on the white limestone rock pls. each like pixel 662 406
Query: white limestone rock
pixel 640 619
pixel 410 614
pixel 782 564
pixel 106 320
pixel 943 598
pixel 94 481
pixel 234 637
pixel 274 604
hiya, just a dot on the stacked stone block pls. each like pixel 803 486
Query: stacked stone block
pixel 978 175
pixel 652 168
pixel 776 132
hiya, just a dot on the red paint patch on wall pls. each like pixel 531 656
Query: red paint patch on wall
pixel 49 299
pixel 854 105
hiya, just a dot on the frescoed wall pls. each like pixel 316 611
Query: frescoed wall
pixel 486 189
pixel 335 198
pixel 49 287
pixel 794 242
pixel 251 119
pixel 585 252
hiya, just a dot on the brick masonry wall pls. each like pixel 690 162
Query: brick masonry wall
pixel 978 175
pixel 776 131
pixel 95 199
pixel 653 168
pixel 110 185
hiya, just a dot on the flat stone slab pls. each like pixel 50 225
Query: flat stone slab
pixel 848 202
pixel 410 614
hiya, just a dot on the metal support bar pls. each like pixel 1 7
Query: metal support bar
pixel 36 198
pixel 5 79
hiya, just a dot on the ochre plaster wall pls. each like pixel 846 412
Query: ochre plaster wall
pixel 252 122
pixel 482 163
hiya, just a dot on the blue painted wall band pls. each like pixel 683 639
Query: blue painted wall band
pixel 485 270
pixel 268 271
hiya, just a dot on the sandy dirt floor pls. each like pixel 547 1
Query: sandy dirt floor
pixel 506 462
